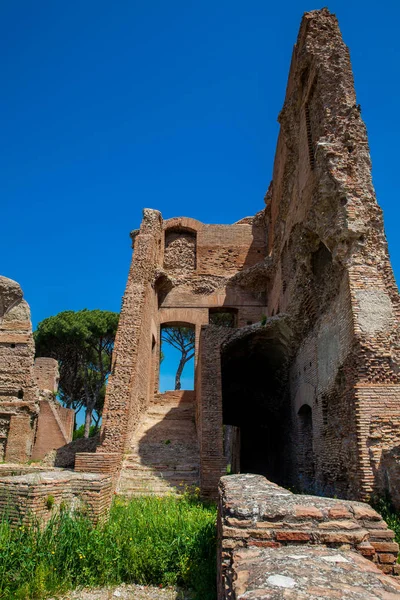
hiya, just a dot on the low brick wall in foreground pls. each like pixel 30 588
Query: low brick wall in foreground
pixel 38 495
pixel 265 531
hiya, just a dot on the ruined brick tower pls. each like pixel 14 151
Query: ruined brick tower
pixel 304 387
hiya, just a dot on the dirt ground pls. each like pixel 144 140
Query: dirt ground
pixel 127 592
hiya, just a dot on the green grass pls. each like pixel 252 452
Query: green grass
pixel 158 541
pixel 385 508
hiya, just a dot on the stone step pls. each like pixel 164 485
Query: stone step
pixel 162 436
pixel 161 468
pixel 161 476
pixel 156 484
pixel 164 454
pixel 167 424
pixel 171 413
pixel 135 465
pixel 152 487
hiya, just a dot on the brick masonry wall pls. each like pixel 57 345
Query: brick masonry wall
pixel 19 395
pixel 329 265
pixel 209 410
pixel 47 373
pixel 39 495
pixel 54 428
pixel 317 254
pixel 129 386
pixel 255 513
pixel 164 287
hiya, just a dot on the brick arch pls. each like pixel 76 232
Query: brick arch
pixel 304 395
pixel 184 223
pixel 192 316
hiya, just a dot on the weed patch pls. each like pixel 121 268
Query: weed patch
pixel 149 540
pixel 385 508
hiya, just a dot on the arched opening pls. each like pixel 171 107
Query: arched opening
pixel 255 405
pixel 162 287
pixel 321 262
pixel 180 249
pixel 305 448
pixel 177 353
pixel 223 316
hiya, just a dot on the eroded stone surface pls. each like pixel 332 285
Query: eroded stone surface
pixel 19 395
pixel 312 574
pixel 271 541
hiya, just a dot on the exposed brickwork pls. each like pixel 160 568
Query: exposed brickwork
pixel 180 270
pixel 47 374
pixel 329 267
pixel 55 427
pixel 306 388
pixel 315 259
pixel 19 395
pixel 255 514
pixel 24 497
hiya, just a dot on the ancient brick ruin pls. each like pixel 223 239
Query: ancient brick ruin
pixel 19 395
pixel 32 423
pixel 271 541
pixel 304 386
pixel 297 379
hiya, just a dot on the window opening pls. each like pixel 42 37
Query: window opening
pixel 177 357
pixel 223 317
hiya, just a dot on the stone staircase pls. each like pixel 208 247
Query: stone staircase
pixel 164 454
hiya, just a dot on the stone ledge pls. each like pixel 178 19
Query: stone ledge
pixel 310 573
pixel 257 514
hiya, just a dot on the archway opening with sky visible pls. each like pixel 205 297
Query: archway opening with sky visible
pixel 177 353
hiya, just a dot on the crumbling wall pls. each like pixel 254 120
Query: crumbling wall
pixel 131 383
pixel 180 250
pixel 128 390
pixel 255 514
pixel 42 494
pixel 47 374
pixel 329 266
pixel 55 423
pixel 19 396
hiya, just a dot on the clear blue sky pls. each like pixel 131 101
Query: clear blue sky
pixel 109 107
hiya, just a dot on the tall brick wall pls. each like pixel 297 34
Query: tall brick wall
pixel 180 270
pixel 311 286
pixel 128 390
pixel 330 269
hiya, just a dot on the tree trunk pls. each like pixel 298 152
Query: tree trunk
pixel 88 421
pixel 181 365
